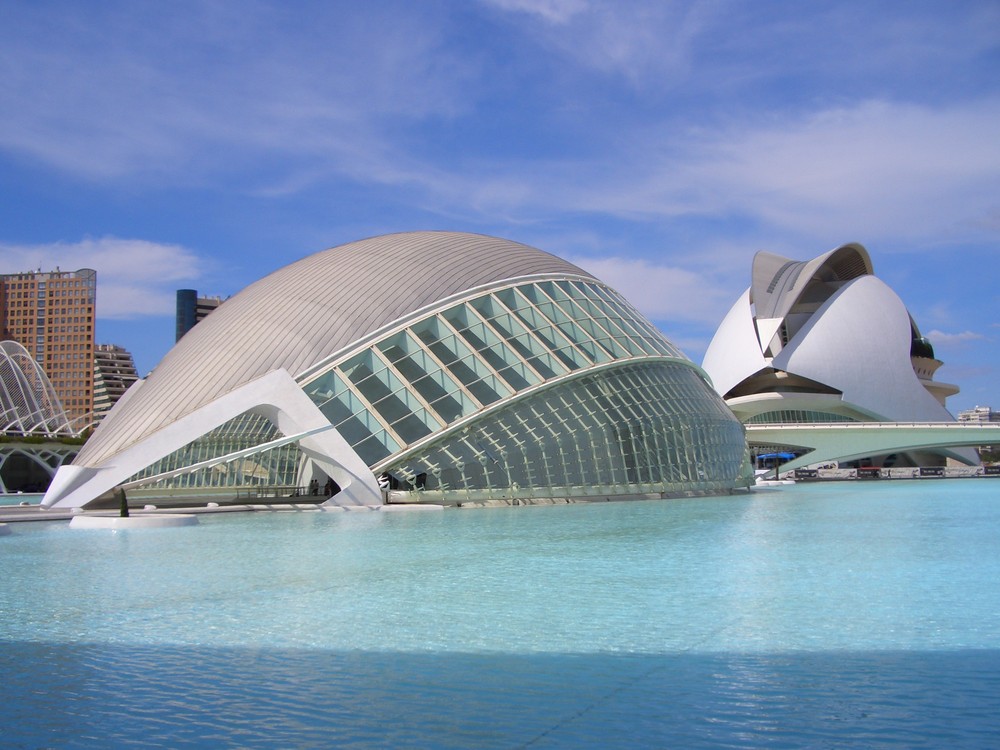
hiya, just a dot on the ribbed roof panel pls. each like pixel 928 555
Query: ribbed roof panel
pixel 301 314
pixel 777 282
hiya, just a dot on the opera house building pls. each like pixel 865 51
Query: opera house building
pixel 430 367
pixel 825 340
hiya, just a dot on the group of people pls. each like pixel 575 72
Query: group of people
pixel 328 489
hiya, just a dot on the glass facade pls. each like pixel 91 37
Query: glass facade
pixel 797 416
pixel 543 389
pixel 453 364
pixel 277 467
pixel 640 428
pixel 553 388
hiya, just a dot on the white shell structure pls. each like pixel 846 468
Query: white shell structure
pixel 453 366
pixel 824 340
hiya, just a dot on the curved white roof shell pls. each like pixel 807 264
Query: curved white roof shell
pixel 309 311
pixel 859 343
pixel 778 282
pixel 735 351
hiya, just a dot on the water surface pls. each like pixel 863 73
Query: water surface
pixel 815 615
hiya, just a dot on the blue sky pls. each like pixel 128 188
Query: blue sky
pixel 657 144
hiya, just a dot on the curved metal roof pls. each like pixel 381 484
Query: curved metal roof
pixel 777 281
pixel 303 313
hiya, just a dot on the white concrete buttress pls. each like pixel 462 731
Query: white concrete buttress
pixel 275 396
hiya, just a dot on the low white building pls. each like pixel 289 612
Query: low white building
pixel 979 414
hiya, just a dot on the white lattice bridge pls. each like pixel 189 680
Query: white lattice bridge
pixel 847 441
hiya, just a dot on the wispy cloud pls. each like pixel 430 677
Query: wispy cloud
pixel 869 171
pixel 951 340
pixel 218 87
pixel 662 292
pixel 876 168
pixel 553 11
pixel 135 278
pixel 643 43
pixel 213 94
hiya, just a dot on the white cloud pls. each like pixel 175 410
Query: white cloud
pixel 661 292
pixel 135 278
pixel 648 44
pixel 873 170
pixel 949 340
pixel 553 11
pixel 144 90
pixel 362 94
pixel 876 167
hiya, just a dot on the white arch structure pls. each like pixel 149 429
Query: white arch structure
pixel 29 402
pixel 275 396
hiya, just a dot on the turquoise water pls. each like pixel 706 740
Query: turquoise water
pixel 836 615
pixel 32 498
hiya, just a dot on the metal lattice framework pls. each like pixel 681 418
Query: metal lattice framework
pixel 29 402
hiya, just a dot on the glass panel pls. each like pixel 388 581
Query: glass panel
pixel 650 339
pixel 491 347
pixel 556 342
pixel 461 362
pixel 517 337
pixel 566 325
pixel 597 309
pixel 399 407
pixel 425 376
pixel 563 293
pixel 362 367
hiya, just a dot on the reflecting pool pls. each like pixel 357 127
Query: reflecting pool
pixel 846 614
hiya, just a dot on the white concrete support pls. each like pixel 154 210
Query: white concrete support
pixel 275 396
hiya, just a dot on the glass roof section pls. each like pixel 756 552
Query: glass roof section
pixel 470 356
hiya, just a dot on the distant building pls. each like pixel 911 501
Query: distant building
pixel 191 309
pixel 114 372
pixel 51 314
pixel 825 340
pixel 979 415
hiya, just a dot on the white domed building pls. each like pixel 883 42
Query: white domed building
pixel 824 340
pixel 419 367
